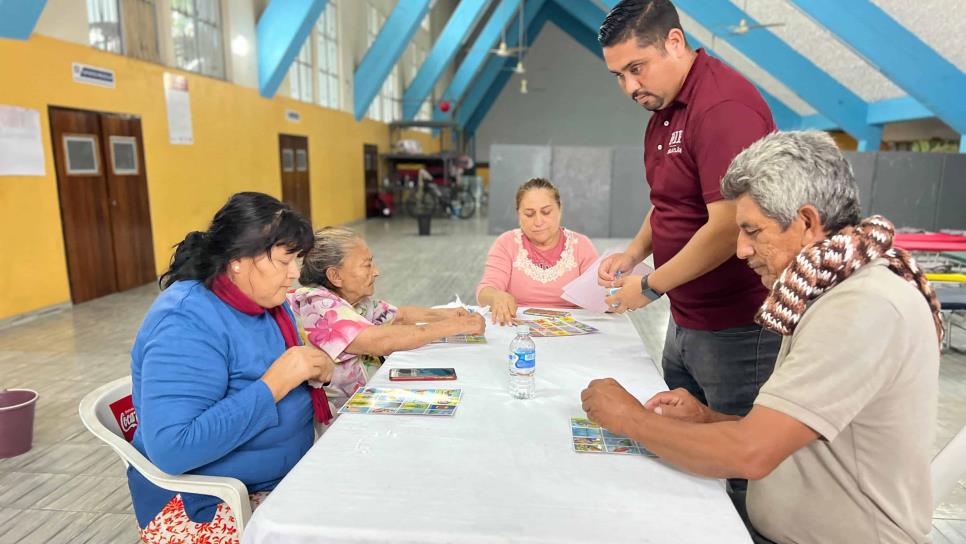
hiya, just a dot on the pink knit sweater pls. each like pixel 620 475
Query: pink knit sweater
pixel 508 268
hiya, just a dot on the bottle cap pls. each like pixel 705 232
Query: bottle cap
pixel 523 329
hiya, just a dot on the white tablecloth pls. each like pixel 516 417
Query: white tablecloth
pixel 501 469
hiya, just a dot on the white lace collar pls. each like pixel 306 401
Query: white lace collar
pixel 566 263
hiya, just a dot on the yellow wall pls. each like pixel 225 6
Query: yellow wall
pixel 236 148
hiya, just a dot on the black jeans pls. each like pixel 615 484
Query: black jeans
pixel 723 369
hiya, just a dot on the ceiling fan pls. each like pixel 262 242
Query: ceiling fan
pixel 503 50
pixel 743 27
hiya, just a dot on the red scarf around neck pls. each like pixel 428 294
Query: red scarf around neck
pixel 230 294
pixel 545 258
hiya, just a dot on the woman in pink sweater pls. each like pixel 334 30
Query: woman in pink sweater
pixel 529 266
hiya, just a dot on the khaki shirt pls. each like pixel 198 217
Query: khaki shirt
pixel 861 370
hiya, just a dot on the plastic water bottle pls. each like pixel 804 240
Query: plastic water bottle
pixel 523 360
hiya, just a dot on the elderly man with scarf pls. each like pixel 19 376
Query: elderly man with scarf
pixel 837 446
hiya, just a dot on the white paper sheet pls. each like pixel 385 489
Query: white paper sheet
pixel 587 293
pixel 21 147
pixel 178 103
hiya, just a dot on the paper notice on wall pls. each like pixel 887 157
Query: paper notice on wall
pixel 178 102
pixel 21 147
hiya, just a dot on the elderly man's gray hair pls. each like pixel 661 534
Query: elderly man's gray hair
pixel 787 170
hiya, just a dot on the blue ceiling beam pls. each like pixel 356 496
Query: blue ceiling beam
pixel 280 33
pixel 19 17
pixel 785 118
pixel 592 16
pixel 891 110
pixel 499 68
pixel 385 51
pixel 486 40
pixel 902 57
pixel 585 11
pixel 823 92
pixel 566 21
pixel 896 110
pixel 460 23
pixel 817 122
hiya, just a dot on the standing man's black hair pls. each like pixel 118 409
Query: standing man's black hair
pixel 648 21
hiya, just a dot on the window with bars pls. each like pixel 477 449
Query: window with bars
pixel 104 25
pixel 300 74
pixel 196 32
pixel 327 54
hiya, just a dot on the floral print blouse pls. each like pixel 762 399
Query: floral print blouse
pixel 331 324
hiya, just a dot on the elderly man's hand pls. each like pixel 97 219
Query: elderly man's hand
pixel 679 404
pixel 609 405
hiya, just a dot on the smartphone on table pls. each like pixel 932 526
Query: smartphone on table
pixel 420 374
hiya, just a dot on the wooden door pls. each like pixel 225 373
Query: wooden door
pixel 294 158
pixel 127 189
pixel 370 168
pixel 84 209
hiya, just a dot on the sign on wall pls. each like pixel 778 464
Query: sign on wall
pixel 178 103
pixel 92 75
pixel 21 149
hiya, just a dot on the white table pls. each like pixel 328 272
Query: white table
pixel 501 469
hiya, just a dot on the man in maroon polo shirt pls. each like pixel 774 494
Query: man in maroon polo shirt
pixel 704 114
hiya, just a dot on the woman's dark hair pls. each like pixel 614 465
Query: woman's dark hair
pixel 248 225
pixel 648 21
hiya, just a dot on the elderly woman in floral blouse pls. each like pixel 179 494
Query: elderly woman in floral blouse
pixel 530 266
pixel 340 316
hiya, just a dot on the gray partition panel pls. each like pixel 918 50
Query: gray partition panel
pixel 863 166
pixel 630 195
pixel 510 167
pixel 951 211
pixel 906 188
pixel 582 174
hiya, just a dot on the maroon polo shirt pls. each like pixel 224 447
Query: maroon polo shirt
pixel 688 146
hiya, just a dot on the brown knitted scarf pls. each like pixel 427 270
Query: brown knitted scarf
pixel 822 265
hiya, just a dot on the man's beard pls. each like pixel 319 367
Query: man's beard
pixel 659 102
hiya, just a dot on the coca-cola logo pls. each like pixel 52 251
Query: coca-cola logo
pixel 126 417
pixel 128 420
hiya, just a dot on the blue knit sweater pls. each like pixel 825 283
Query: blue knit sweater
pixel 201 406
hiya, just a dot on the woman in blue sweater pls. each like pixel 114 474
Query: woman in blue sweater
pixel 219 375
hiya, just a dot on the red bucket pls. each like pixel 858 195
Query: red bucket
pixel 16 421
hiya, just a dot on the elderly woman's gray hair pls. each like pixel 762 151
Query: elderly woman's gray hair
pixel 329 250
pixel 787 170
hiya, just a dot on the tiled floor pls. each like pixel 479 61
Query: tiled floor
pixel 71 488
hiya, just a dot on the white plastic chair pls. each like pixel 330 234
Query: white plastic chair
pixel 948 467
pixel 98 418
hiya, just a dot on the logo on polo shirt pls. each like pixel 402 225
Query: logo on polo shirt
pixel 674 146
